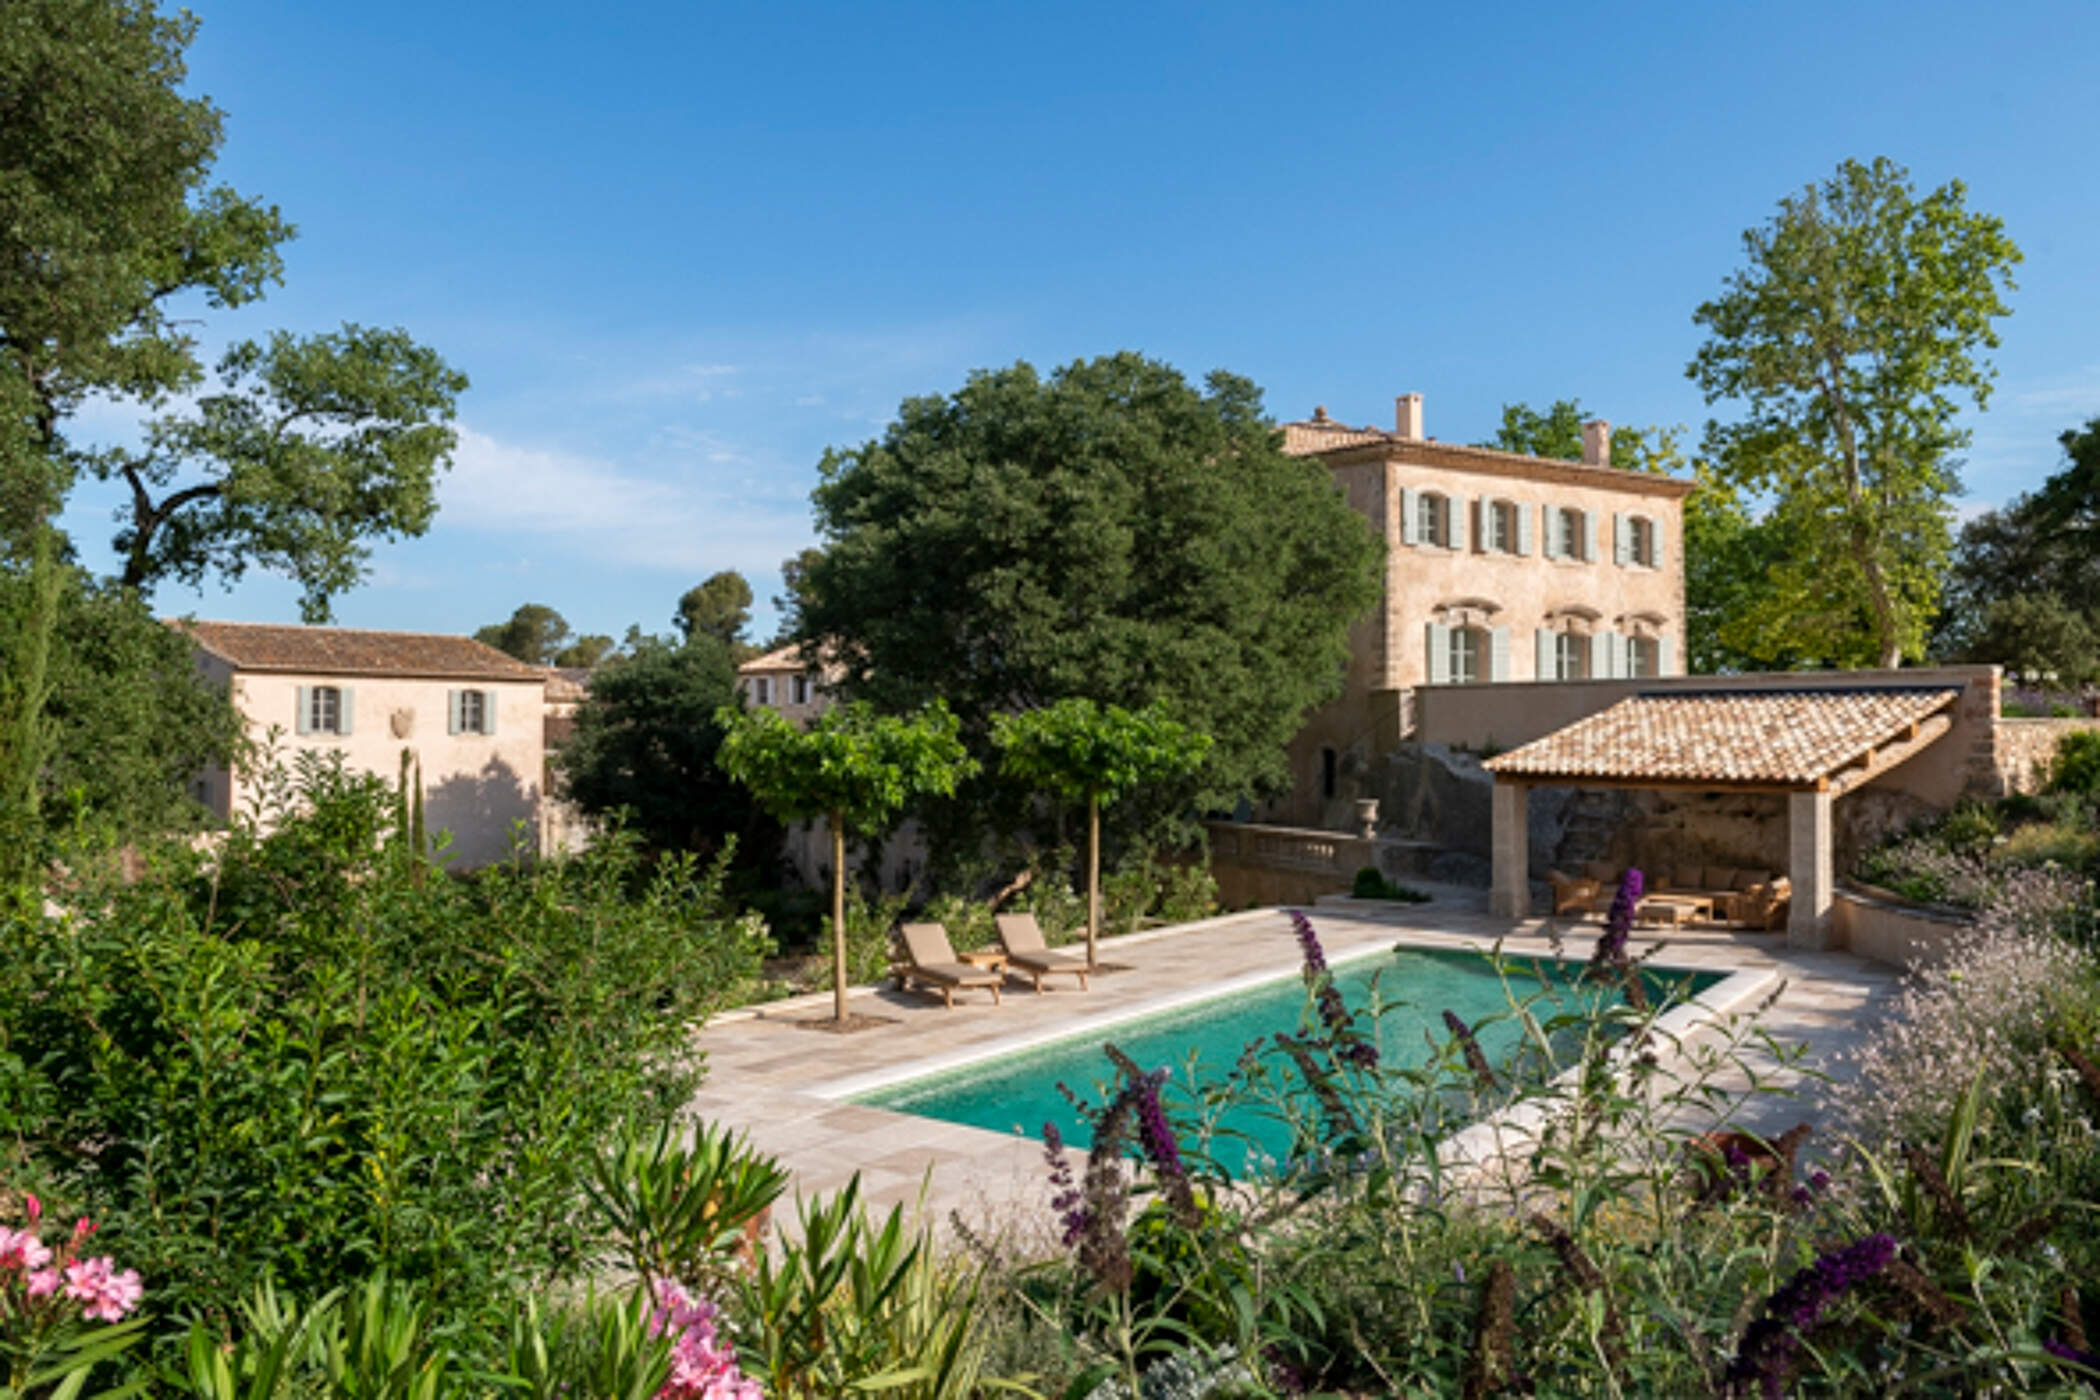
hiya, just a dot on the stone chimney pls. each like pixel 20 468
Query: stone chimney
pixel 1407 416
pixel 1596 443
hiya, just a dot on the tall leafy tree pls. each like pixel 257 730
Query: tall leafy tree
pixel 647 743
pixel 1108 531
pixel 28 619
pixel 1850 341
pixel 534 634
pixel 719 607
pixel 586 652
pixel 2024 590
pixel 853 767
pixel 1093 754
pixel 294 452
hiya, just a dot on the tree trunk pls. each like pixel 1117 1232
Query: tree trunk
pixel 1093 881
pixel 838 916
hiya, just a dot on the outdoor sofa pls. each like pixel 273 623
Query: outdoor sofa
pixel 1743 897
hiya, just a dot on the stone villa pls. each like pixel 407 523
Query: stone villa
pixel 1499 568
pixel 473 717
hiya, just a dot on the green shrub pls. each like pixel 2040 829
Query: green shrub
pixel 309 1059
pixel 1370 883
pixel 1149 889
pixel 2076 767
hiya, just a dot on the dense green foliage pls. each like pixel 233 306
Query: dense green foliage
pixel 647 743
pixel 305 1057
pixel 1847 342
pixel 719 607
pixel 1109 531
pixel 2024 589
pixel 292 453
pixel 128 722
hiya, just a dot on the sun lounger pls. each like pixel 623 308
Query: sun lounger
pixel 933 964
pixel 1026 951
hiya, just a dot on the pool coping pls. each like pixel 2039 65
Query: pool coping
pixel 1738 986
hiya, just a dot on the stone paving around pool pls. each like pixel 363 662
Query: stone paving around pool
pixel 786 1085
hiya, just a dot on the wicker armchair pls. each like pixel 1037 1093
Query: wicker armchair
pixel 1574 894
pixel 1763 906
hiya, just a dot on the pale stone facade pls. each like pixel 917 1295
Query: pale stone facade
pixel 782 680
pixel 1500 568
pixel 473 718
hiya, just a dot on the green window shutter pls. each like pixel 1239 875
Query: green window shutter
pixel 1604 655
pixel 1498 654
pixel 1523 519
pixel 1549 544
pixel 1621 540
pixel 1591 528
pixel 1407 515
pixel 303 720
pixel 1655 540
pixel 488 711
pixel 1439 653
pixel 453 706
pixel 1544 655
pixel 1665 664
pixel 1455 522
pixel 347 722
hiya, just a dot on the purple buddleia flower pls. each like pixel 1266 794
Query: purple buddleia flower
pixel 2064 1351
pixel 1065 1196
pixel 1618 924
pixel 1476 1059
pixel 1771 1343
pixel 1156 1137
pixel 1309 942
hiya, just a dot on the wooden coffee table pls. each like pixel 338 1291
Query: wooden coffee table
pixel 1676 910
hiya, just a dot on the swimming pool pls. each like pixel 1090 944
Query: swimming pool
pixel 1018 1093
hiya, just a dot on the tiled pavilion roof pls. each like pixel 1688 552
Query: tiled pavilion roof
pixel 1792 739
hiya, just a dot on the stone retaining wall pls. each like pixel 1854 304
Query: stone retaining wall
pixel 2027 746
pixel 1894 932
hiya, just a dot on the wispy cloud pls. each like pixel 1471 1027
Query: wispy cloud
pixel 2075 393
pixel 615 513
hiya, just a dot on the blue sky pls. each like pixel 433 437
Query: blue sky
pixel 681 248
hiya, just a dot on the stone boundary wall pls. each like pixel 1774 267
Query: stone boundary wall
pixel 1887 931
pixel 1265 865
pixel 2026 747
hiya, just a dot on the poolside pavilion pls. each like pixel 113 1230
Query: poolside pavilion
pixel 1813 745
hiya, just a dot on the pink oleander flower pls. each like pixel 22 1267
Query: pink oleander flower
pixel 33 1208
pixel 21 1249
pixel 43 1283
pixel 104 1294
pixel 703 1365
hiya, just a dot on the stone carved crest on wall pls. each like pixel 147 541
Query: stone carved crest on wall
pixel 402 722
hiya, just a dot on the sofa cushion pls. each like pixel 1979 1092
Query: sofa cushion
pixel 1750 879
pixel 1686 877
pixel 1603 872
pixel 1717 878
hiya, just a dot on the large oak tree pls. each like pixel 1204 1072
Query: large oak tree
pixel 1108 531
pixel 290 453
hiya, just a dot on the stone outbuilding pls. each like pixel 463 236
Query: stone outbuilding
pixel 1812 744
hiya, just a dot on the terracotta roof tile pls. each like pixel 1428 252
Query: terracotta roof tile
pixel 1767 738
pixel 347 651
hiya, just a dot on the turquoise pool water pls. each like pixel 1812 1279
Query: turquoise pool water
pixel 1199 1043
